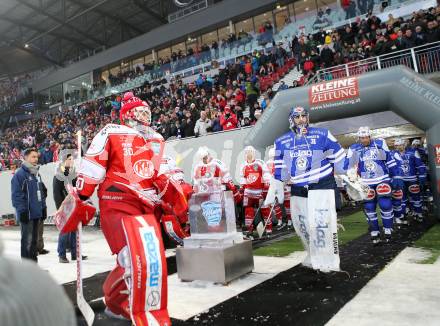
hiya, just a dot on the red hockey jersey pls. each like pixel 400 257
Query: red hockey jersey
pixel 254 175
pixel 123 158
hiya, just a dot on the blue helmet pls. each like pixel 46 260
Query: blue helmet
pixel 296 112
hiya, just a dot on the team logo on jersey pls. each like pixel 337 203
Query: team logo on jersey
pixel 212 212
pixel 255 167
pixel 301 163
pixel 144 168
pixel 370 166
pixel 251 178
pixel 405 167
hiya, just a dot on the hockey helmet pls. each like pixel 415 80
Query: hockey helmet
pixel 134 111
pixel 204 155
pixel 296 112
pixel 416 143
pixel 364 132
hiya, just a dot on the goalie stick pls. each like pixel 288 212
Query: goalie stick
pixel 83 306
pixel 260 227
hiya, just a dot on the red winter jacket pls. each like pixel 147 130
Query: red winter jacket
pixel 230 122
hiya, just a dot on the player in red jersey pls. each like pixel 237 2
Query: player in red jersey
pixel 124 161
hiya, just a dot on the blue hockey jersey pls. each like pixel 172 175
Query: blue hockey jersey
pixel 306 159
pixel 374 162
pixel 412 166
pixel 398 158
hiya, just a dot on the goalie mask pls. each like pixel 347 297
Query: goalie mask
pixel 134 111
pixel 298 119
pixel 249 154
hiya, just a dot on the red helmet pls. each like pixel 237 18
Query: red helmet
pixel 134 109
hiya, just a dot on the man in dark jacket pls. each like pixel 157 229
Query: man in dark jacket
pixel 64 176
pixel 29 200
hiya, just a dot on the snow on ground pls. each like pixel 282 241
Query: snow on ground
pixel 404 293
pixel 94 247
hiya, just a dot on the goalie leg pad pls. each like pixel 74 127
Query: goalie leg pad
pixel 298 206
pixel 324 248
pixel 116 292
pixel 148 280
pixel 173 228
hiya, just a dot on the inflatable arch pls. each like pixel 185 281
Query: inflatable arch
pixel 397 89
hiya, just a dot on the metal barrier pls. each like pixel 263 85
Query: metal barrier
pixel 424 59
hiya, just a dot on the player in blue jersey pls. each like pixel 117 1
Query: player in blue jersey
pixel 425 190
pixel 378 170
pixel 306 158
pixel 398 194
pixel 414 178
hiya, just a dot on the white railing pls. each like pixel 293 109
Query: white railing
pixel 424 59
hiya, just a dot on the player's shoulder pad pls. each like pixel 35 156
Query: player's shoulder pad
pixel 260 162
pixel 112 128
pixel 100 140
pixel 355 147
pixel 283 139
pixel 396 155
pixel 318 131
pixel 417 153
pixel 218 163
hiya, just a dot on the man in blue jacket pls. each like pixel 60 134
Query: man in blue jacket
pixel 29 200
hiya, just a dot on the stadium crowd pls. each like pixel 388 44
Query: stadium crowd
pixel 230 99
pixel 364 38
pixel 209 104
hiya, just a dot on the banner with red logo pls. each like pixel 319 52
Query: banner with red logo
pixel 336 92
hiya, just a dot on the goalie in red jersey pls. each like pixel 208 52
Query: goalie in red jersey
pixel 124 161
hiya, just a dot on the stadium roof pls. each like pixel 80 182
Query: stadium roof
pixel 39 33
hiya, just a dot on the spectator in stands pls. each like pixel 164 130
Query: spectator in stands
pixel 420 37
pixel 283 86
pixel 228 119
pixel 29 200
pixel 409 40
pixel 252 93
pixel 326 56
pixel 202 125
pixel 433 32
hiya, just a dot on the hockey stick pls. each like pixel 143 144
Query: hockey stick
pixel 83 306
pixel 261 229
